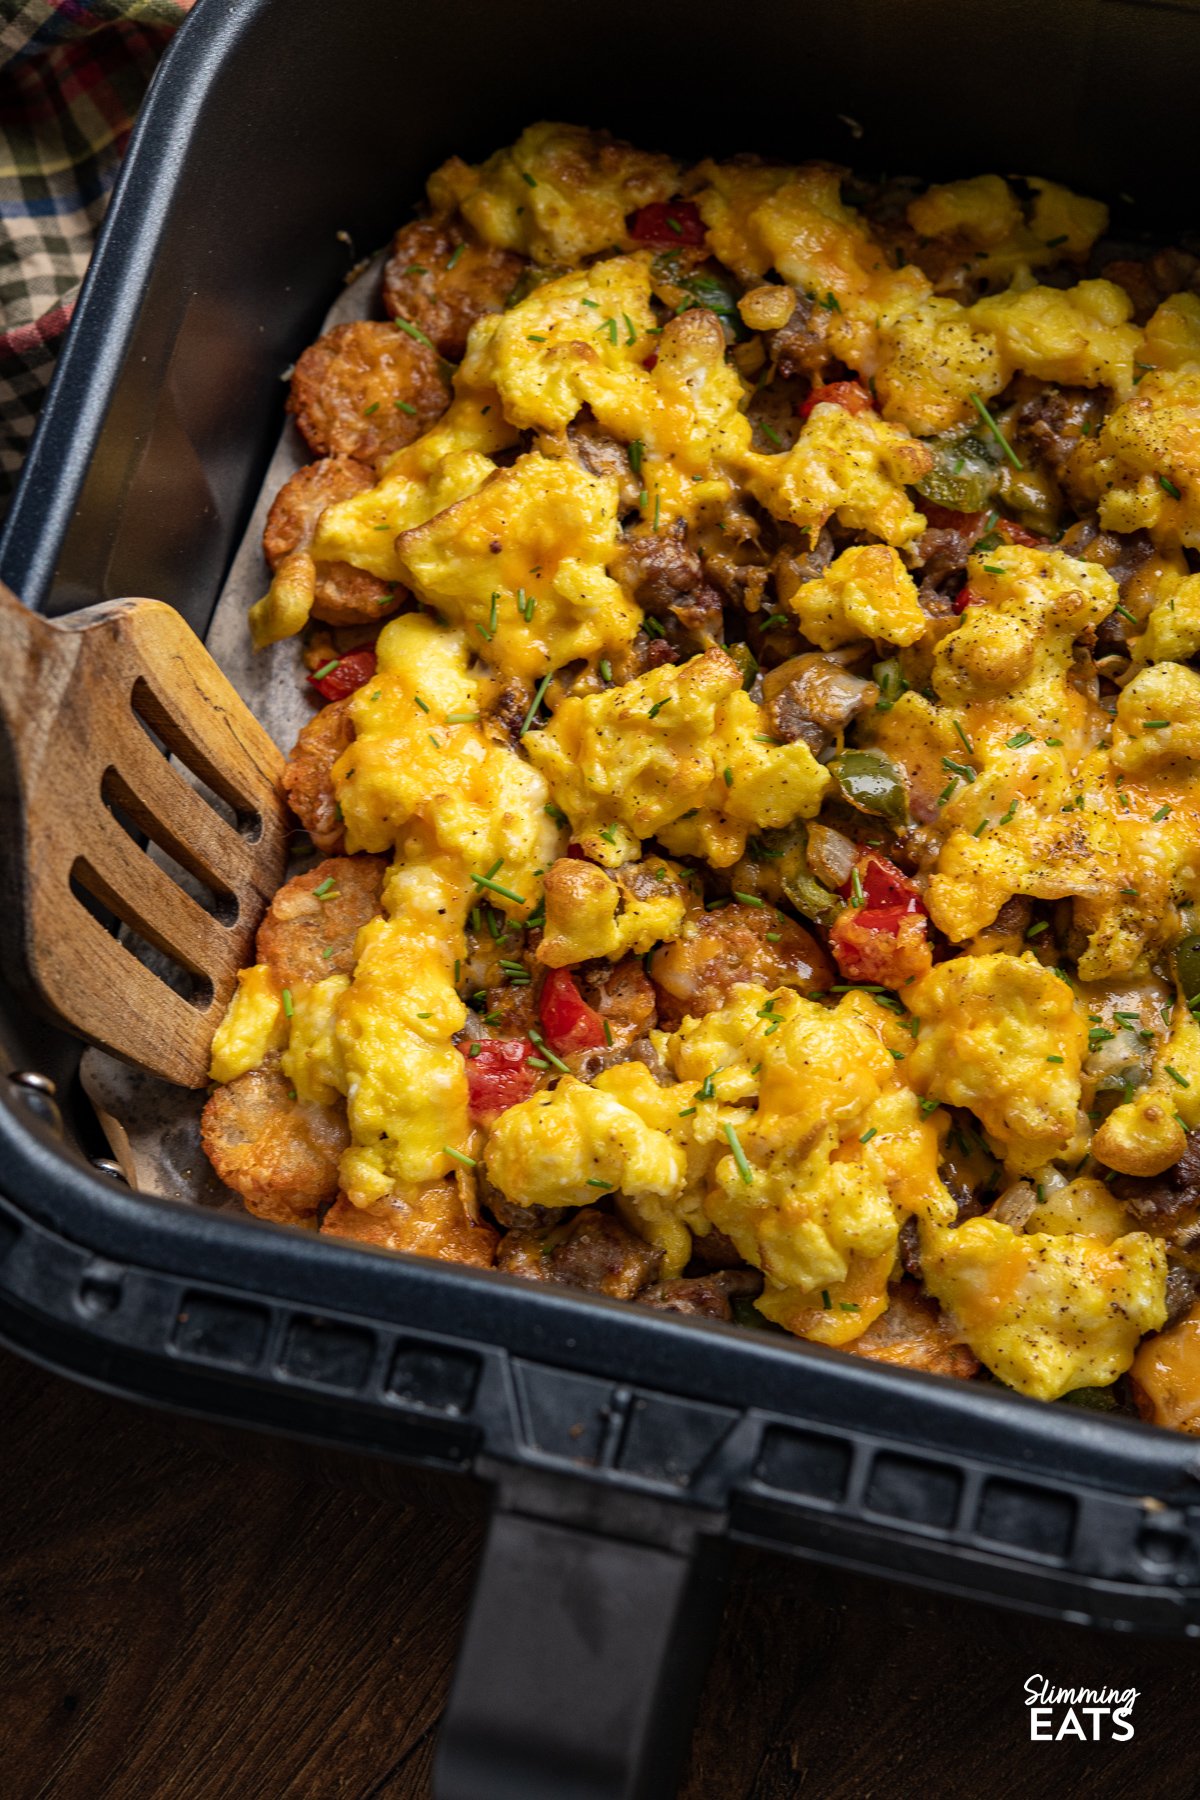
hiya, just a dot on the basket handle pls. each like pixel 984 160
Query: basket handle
pixel 581 1665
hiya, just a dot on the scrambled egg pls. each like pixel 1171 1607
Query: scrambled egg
pixel 818 1179
pixel 597 912
pixel 866 592
pixel 568 1147
pixel 1148 1133
pixel 523 562
pixel 1002 1035
pixel 932 360
pixel 312 1060
pixel 682 754
pixel 419 757
pixel 586 340
pixel 983 215
pixel 1018 816
pixel 1080 336
pixel 254 1025
pixel 1172 631
pixel 794 220
pixel 1142 469
pixel 559 194
pixel 406 1083
pixel 1047 1314
pixel 852 466
pixel 450 461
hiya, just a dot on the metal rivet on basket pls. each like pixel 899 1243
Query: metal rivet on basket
pixel 107 1166
pixel 32 1078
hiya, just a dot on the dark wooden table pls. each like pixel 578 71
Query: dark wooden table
pixel 183 1620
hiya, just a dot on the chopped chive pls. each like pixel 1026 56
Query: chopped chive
pixel 1176 1077
pixel 728 773
pixel 368 410
pixel 416 269
pixel 493 887
pixel 606 670
pixel 608 1036
pixel 957 768
pixel 1054 1059
pixel 868 1134
pixel 1009 815
pixel 739 1155
pixel 826 1302
pixel 414 331
pixel 636 451
pixel 1036 930
pixel 555 812
pixel 964 740
pixel 928 1106
pixel 288 1008
pixel 705 1090
pixel 658 706
pixel 1125 613
pixel 537 1062
pixel 770 433
pixel 535 337
pixel 1168 486
pixel 327 952
pixel 980 828
pixel 687 1112
pixel 528 179
pixel 457 252
pixel 325 887
pixel 630 333
pixel 749 899
pixel 329 667
pixel 462 718
pixel 857 895
pixel 987 419
pixel 1155 724
pixel 609 326
pixel 1164 812
pixel 538 697
pixel 417 700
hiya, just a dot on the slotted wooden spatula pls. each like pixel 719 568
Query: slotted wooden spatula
pixel 88 706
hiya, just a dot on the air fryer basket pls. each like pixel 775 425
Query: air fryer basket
pixel 625 1448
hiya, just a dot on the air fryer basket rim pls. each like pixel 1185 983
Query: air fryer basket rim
pixel 608 1422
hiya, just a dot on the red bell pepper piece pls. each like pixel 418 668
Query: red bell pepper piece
pixel 568 1022
pixel 851 396
pixel 965 597
pixel 885 939
pixel 885 886
pixel 498 1075
pixel 347 673
pixel 667 224
pixel 948 518
pixel 1013 533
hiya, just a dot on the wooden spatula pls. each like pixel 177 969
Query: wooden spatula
pixel 87 705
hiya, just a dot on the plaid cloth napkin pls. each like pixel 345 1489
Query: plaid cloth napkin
pixel 72 76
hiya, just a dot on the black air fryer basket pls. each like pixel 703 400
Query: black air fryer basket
pixel 624 1447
